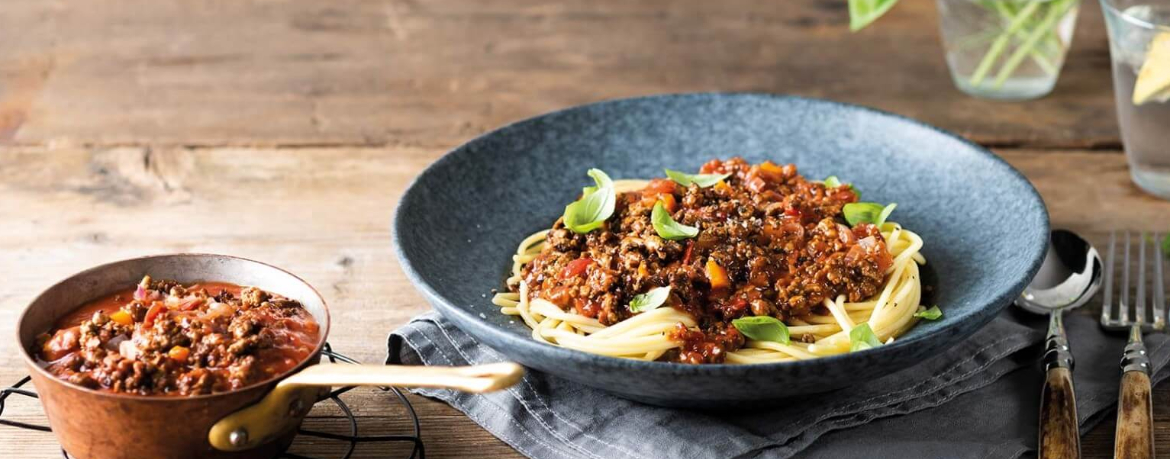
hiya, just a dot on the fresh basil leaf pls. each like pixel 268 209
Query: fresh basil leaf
pixel 864 12
pixel 702 180
pixel 934 313
pixel 857 213
pixel 833 182
pixel 667 228
pixel 600 178
pixel 889 209
pixel 762 328
pixel 595 206
pixel 1166 245
pixel 650 300
pixel 862 337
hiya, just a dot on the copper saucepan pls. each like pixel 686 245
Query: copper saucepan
pixel 257 421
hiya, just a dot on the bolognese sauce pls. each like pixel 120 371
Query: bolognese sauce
pixel 163 338
pixel 771 244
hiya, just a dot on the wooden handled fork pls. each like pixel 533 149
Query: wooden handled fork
pixel 1135 416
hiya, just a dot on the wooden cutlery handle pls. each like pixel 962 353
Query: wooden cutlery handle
pixel 1135 411
pixel 1135 418
pixel 1059 437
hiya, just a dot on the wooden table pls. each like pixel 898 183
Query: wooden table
pixel 286 131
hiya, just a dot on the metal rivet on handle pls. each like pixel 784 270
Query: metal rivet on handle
pixel 238 437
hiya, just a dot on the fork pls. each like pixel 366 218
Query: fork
pixel 1135 417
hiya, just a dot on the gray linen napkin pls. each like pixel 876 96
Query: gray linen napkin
pixel 967 402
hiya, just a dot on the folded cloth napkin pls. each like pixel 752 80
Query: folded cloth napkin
pixel 978 399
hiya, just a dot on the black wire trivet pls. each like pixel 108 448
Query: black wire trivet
pixel 416 451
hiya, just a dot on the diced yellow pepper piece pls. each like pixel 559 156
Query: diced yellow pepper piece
pixel 716 275
pixel 179 353
pixel 122 317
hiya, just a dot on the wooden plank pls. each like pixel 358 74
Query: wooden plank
pixel 1090 191
pixel 369 73
pixel 324 213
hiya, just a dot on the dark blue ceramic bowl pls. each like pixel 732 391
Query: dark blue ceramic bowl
pixel 459 223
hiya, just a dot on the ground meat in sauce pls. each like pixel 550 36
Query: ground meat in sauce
pixel 780 241
pixel 164 338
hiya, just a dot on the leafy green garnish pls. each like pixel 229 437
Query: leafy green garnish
pixel 1166 245
pixel 703 180
pixel 863 12
pixel 934 313
pixel 762 328
pixel 885 215
pixel 595 206
pixel 833 182
pixel 600 178
pixel 649 300
pixel 667 228
pixel 857 213
pixel 862 337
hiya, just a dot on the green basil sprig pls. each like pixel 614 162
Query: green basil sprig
pixel 833 182
pixel 703 180
pixel 863 12
pixel 650 300
pixel 667 228
pixel 857 213
pixel 934 313
pixel 763 328
pixel 595 206
pixel 862 337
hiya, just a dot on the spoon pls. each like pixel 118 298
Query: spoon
pixel 1068 278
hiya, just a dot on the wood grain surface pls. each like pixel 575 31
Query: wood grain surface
pixel 361 72
pixel 1135 433
pixel 1059 437
pixel 286 131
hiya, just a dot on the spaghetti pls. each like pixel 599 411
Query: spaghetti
pixel 693 324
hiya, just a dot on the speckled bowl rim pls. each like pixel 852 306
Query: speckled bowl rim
pixel 525 344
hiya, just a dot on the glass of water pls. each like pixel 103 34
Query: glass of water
pixel 1139 43
pixel 1006 49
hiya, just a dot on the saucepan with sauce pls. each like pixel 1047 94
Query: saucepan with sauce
pixel 195 355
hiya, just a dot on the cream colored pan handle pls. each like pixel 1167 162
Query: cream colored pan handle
pixel 284 407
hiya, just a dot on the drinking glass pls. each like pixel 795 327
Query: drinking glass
pixel 1139 44
pixel 1006 49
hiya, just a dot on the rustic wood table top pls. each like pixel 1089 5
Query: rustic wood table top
pixel 286 130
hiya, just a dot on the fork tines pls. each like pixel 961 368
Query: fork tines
pixel 1124 318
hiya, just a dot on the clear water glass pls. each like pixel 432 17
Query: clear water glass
pixel 1145 128
pixel 1006 49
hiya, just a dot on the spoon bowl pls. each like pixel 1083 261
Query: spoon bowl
pixel 1069 276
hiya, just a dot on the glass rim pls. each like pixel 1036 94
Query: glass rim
pixel 1108 5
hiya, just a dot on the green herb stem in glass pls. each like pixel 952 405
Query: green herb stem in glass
pixel 999 49
pixel 1022 61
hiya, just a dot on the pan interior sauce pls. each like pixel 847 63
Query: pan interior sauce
pixel 162 338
